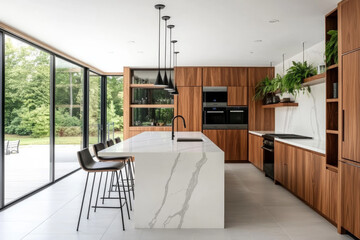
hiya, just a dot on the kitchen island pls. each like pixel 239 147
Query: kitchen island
pixel 178 184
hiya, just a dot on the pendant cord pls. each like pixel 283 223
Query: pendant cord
pixel 165 42
pixel 159 38
pixel 170 52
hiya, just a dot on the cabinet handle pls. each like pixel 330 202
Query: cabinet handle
pixel 236 111
pixel 343 125
pixel 350 164
pixel 215 111
pixel 268 149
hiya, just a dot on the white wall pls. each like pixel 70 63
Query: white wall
pixel 309 117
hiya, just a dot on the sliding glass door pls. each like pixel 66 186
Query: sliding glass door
pixel 94 109
pixel 69 80
pixel 114 109
pixel 26 118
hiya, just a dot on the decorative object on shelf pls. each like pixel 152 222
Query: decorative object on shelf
pixel 293 79
pixel 331 49
pixel 285 100
pixel 335 90
pixel 170 87
pixel 175 92
pixel 165 79
pixel 159 80
pixel 321 68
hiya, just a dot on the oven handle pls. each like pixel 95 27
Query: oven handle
pixel 267 149
pixel 214 111
pixel 237 111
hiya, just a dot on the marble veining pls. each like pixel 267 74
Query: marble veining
pixel 191 187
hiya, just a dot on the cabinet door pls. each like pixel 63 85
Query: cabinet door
pixel 350 194
pixel 237 96
pixel 236 145
pixel 330 196
pixel 256 74
pixel 255 151
pixel 217 137
pixel 189 105
pixel 349 14
pixel 225 76
pixel 351 103
pixel 188 76
pixel 279 158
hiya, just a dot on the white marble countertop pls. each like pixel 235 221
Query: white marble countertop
pixel 160 142
pixel 315 145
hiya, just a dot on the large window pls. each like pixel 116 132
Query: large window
pixel 68 116
pixel 115 109
pixel 94 109
pixel 26 118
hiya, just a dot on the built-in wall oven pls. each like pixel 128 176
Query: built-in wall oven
pixel 214 96
pixel 225 118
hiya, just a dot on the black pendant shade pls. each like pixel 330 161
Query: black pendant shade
pixel 165 79
pixel 159 80
pixel 175 92
pixel 170 87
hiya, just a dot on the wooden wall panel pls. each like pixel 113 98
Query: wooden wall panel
pixel 126 102
pixel 225 76
pixel 349 24
pixel 188 76
pixel 189 105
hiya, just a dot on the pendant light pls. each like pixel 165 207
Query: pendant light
pixel 165 79
pixel 175 60
pixel 170 87
pixel 159 81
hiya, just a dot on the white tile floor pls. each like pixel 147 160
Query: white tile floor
pixel 255 209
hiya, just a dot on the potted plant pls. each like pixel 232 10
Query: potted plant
pixel 331 49
pixel 265 90
pixel 292 81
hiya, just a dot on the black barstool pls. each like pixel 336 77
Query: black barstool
pixel 100 146
pixel 88 164
pixel 118 140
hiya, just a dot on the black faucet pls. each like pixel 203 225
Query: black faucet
pixel 172 125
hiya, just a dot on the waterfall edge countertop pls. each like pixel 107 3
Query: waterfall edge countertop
pixel 315 145
pixel 177 184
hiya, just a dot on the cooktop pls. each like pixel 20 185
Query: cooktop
pixel 286 136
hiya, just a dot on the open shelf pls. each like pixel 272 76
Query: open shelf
pixel 280 105
pixel 332 168
pixel 145 86
pixel 332 66
pixel 332 149
pixel 152 105
pixel 317 79
pixel 332 100
pixel 332 131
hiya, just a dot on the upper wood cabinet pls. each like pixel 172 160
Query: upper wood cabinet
pixel 225 76
pixel 189 104
pixel 237 96
pixel 256 74
pixel 350 103
pixel 349 19
pixel 255 150
pixel 188 76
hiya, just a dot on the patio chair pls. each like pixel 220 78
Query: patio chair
pixel 6 147
pixel 13 146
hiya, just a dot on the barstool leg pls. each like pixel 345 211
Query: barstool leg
pixel 121 206
pixel 92 189
pixel 128 185
pixel 131 178
pixel 111 183
pixel 126 202
pixel 107 173
pixel 97 195
pixel 82 202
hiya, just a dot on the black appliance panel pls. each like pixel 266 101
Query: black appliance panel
pixel 214 115
pixel 237 115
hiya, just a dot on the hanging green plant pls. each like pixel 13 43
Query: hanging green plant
pixel 292 81
pixel 331 49
pixel 263 88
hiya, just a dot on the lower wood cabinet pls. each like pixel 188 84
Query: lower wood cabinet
pixel 232 142
pixel 255 151
pixel 350 197
pixel 304 173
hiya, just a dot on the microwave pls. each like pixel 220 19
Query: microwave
pixel 215 96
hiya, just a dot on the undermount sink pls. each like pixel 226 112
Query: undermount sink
pixel 189 140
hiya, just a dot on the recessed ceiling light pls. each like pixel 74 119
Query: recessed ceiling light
pixel 274 21
pixel 140 51
pixel 131 41
pixel 110 52
pixel 258 41
pixel 251 52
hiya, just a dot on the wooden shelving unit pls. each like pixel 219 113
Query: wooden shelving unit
pixel 152 105
pixel 280 105
pixel 145 86
pixel 317 79
pixel 332 102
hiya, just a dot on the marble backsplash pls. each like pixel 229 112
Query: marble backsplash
pixel 309 117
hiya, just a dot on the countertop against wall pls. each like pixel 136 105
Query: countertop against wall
pixel 315 145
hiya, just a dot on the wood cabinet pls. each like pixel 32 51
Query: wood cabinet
pixel 304 173
pixel 349 19
pixel 350 103
pixel 232 142
pixel 188 103
pixel 237 96
pixel 188 76
pixel 225 76
pixel 350 197
pixel 259 118
pixel 255 151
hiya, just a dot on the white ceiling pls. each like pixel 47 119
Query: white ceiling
pixel 110 34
